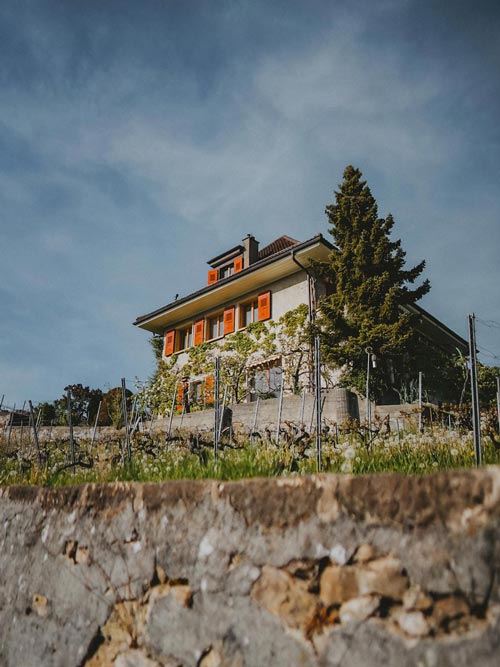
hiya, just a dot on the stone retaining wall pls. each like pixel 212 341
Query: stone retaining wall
pixel 325 570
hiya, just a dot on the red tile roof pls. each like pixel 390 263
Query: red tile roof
pixel 277 246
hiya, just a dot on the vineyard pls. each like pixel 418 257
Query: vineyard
pixel 152 456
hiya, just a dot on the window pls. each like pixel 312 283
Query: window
pixel 266 380
pixel 257 310
pixel 226 271
pixel 216 326
pixel 186 338
pixel 249 313
pixel 196 392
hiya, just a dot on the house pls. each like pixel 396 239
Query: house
pixel 249 284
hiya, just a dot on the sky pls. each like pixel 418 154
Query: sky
pixel 139 139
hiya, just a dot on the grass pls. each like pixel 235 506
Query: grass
pixel 154 460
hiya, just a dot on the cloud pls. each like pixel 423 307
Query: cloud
pixel 136 143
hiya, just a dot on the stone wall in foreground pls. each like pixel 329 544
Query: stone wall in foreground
pixel 325 570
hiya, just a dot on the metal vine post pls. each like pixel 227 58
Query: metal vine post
pixel 476 415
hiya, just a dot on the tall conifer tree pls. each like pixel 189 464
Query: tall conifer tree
pixel 368 289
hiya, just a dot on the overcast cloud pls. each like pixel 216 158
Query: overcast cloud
pixel 139 139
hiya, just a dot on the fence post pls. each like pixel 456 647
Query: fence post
pixel 319 406
pixel 255 417
pixel 11 419
pixel 476 416
pixel 302 407
pixel 125 419
pixel 221 419
pixel 420 401
pixel 172 408
pixel 70 423
pixel 95 423
pixel 280 409
pixel 498 402
pixel 35 436
pixel 216 407
pixel 22 426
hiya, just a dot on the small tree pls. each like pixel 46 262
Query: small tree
pixel 48 413
pixel 84 404
pixel 368 288
pixel 112 407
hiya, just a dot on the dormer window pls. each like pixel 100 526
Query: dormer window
pixel 226 271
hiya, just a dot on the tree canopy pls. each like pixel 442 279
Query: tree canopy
pixel 368 287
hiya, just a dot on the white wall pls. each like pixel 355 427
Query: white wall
pixel 286 294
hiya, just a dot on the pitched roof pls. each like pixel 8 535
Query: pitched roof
pixel 278 245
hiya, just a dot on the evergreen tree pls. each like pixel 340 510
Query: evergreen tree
pixel 368 287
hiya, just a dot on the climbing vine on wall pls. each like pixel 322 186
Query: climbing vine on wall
pixel 259 341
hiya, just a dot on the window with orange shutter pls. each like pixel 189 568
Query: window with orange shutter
pixel 229 320
pixel 249 313
pixel 169 343
pixel 209 390
pixel 212 276
pixel 264 306
pixel 215 326
pixel 186 338
pixel 238 264
pixel 179 400
pixel 199 330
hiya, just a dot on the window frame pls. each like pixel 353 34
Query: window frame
pixel 227 267
pixel 219 316
pixel 254 304
pixel 182 333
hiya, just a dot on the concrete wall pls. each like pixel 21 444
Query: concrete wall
pixel 324 571
pixel 338 406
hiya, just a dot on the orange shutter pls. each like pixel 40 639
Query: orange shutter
pixel 179 398
pixel 238 264
pixel 169 343
pixel 198 331
pixel 264 302
pixel 229 320
pixel 209 389
pixel 212 276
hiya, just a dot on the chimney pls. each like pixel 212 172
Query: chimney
pixel 251 252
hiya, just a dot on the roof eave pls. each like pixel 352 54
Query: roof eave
pixel 143 319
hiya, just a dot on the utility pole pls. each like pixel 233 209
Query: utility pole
pixel 476 416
